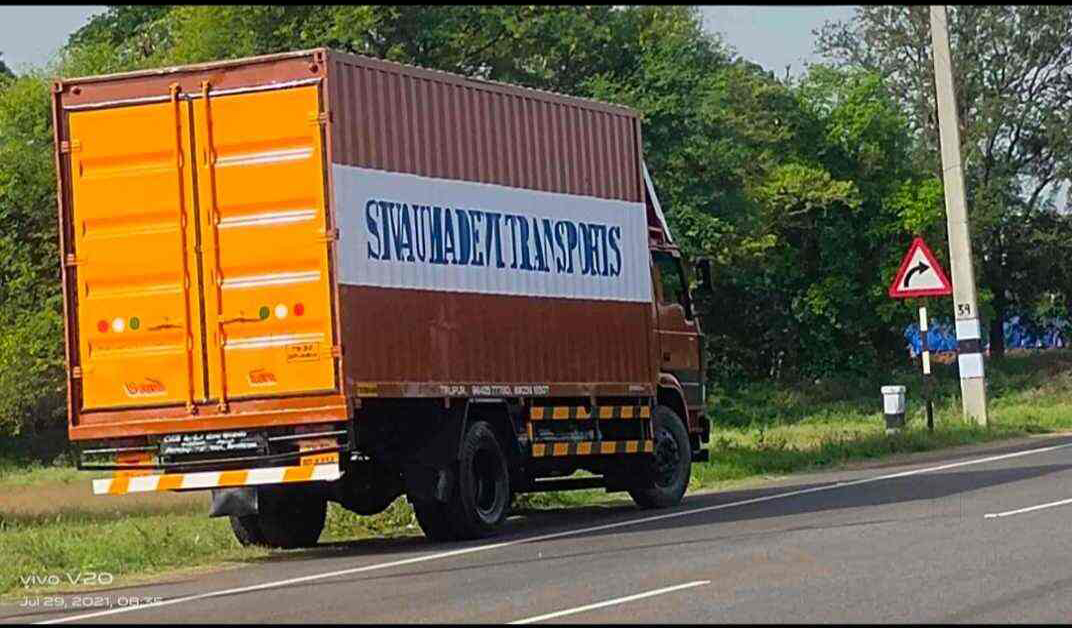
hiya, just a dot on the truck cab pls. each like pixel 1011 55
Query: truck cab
pixel 679 338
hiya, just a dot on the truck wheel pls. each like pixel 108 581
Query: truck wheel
pixel 667 473
pixel 480 497
pixel 296 521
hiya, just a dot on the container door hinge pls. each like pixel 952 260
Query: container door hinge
pixel 71 260
pixel 319 117
pixel 336 351
pixel 331 235
pixel 72 146
pixel 76 372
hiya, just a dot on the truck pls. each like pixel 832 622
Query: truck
pixel 314 276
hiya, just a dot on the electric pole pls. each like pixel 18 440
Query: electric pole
pixel 965 306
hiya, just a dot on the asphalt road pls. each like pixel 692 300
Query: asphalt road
pixel 905 543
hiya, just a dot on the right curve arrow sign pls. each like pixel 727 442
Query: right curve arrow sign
pixel 920 274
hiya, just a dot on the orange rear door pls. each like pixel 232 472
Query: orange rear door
pixel 202 253
pixel 139 327
pixel 261 188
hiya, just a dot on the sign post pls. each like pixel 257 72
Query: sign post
pixel 920 275
pixel 925 358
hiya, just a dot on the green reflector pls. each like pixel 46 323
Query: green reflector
pixel 134 322
pixel 264 312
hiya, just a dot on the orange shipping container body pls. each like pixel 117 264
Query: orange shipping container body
pixel 213 278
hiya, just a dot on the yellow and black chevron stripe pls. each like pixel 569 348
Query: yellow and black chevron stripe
pixel 575 413
pixel 586 448
pixel 624 412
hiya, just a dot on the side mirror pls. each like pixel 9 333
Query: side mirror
pixel 703 268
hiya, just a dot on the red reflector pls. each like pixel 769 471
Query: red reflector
pixel 299 309
pixel 102 327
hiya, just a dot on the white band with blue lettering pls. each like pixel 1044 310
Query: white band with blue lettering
pixel 407 231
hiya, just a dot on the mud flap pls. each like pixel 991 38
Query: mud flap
pixel 428 473
pixel 238 501
pixel 425 483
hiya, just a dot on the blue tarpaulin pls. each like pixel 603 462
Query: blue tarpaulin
pixel 942 337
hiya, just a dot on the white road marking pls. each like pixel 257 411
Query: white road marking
pixel 620 600
pixel 1028 509
pixel 544 537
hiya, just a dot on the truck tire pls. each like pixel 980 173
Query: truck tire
pixel 480 497
pixel 247 530
pixel 435 519
pixel 667 474
pixel 295 521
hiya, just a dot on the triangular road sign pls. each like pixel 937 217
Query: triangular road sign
pixel 920 275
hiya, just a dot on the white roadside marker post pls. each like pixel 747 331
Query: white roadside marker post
pixel 893 408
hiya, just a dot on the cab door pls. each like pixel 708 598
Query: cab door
pixel 266 243
pixel 679 346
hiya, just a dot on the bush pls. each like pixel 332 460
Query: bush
pixel 31 328
pixel 32 388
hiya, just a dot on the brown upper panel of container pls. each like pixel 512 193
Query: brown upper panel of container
pixel 260 71
pixel 401 118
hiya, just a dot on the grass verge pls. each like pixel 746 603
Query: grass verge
pixel 765 429
pixel 50 524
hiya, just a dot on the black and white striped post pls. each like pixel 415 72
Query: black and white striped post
pixel 925 358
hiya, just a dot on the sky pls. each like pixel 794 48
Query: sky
pixel 770 36
pixel 773 37
pixel 31 34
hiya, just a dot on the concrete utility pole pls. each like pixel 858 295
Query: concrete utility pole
pixel 965 306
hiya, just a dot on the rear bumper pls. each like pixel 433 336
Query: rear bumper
pixel 122 484
pixel 272 455
pixel 239 414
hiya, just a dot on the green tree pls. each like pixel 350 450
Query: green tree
pixel 548 47
pixel 1013 77
pixel 118 24
pixel 123 37
pixel 794 191
pixel 31 360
